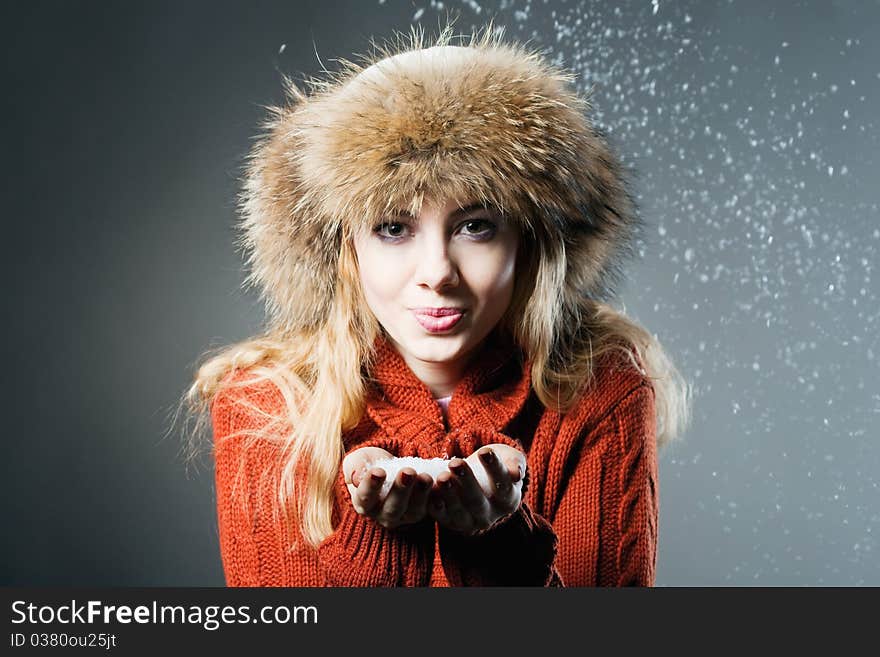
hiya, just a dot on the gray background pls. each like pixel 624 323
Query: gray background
pixel 753 130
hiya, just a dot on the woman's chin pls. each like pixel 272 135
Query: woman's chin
pixel 437 348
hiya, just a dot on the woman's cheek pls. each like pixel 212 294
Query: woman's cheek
pixel 389 271
pixel 498 272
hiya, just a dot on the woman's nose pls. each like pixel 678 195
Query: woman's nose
pixel 435 266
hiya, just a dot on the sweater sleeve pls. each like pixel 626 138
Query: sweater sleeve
pixel 359 552
pixel 632 481
pixel 601 490
pixel 518 551
pixel 242 551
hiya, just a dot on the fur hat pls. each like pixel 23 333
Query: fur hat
pixel 489 122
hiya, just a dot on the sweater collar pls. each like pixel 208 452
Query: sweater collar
pixel 490 394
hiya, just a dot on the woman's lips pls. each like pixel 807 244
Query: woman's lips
pixel 437 320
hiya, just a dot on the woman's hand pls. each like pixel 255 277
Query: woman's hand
pixel 406 501
pixel 459 503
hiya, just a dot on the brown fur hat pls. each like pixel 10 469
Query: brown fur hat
pixel 487 121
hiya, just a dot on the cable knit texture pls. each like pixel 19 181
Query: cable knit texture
pixel 589 511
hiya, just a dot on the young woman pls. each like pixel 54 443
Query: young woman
pixel 438 233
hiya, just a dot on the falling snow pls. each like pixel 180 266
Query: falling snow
pixel 755 168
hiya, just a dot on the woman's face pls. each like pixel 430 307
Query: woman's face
pixel 438 282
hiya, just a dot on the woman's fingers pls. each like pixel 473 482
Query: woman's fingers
pixel 418 498
pixel 516 468
pixel 395 504
pixel 356 463
pixel 500 480
pixel 453 514
pixel 470 493
pixel 366 497
pixel 437 503
pixel 406 501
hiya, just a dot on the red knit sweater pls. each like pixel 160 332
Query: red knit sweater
pixel 589 510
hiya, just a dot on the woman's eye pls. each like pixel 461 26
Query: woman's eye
pixel 479 228
pixel 390 229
